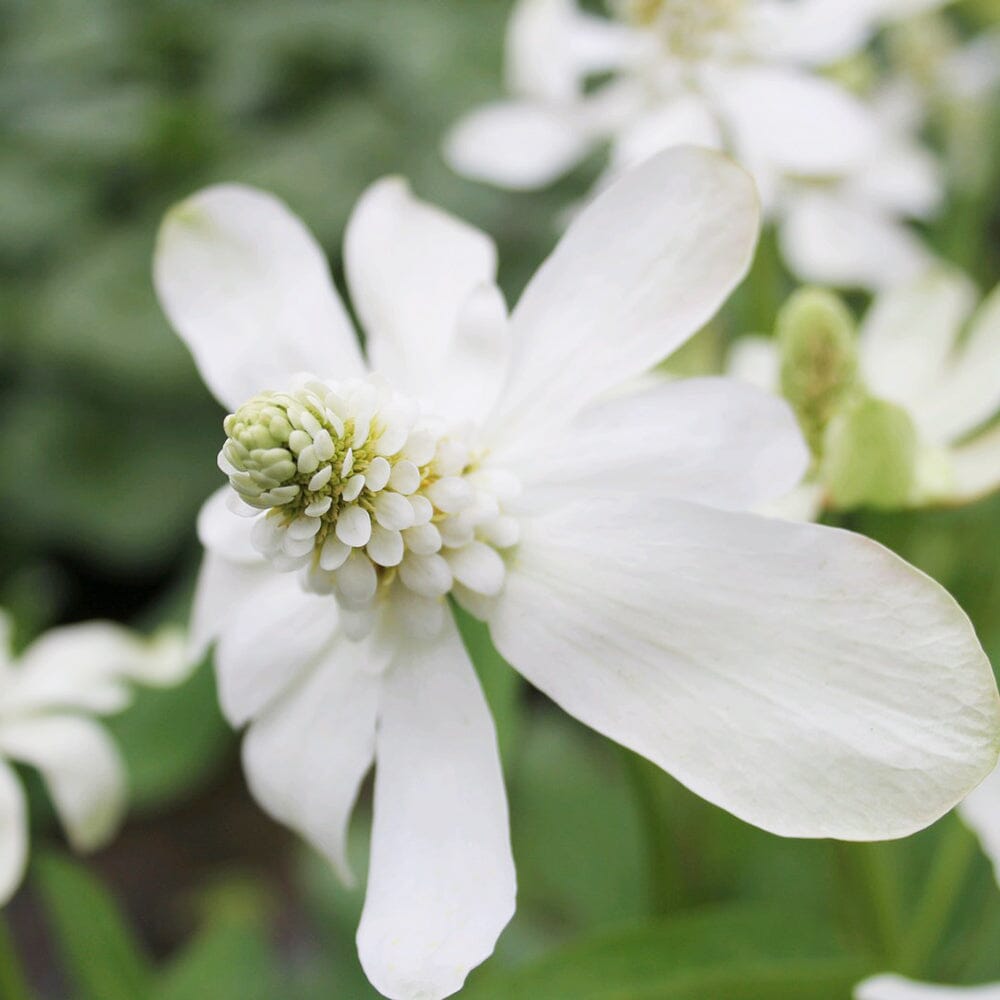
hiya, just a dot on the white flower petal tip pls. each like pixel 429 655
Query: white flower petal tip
pixel 898 988
pixel 803 678
pixel 247 288
pixel 441 883
pixel 640 270
pixel 981 813
pixel 13 833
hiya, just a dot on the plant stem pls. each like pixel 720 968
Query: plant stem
pixel 667 882
pixel 941 893
pixel 13 984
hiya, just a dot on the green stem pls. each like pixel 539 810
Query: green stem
pixel 667 882
pixel 871 874
pixel 13 983
pixel 941 892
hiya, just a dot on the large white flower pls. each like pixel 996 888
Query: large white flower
pixel 932 349
pixel 804 678
pixel 837 174
pixel 47 699
pixel 898 988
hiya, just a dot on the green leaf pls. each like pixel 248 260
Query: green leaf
pixel 231 958
pixel 101 955
pixel 733 952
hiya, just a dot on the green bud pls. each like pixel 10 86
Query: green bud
pixel 819 365
pixel 871 451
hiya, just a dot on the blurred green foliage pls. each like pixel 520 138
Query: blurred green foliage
pixel 631 888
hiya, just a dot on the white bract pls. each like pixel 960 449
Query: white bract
pixel 837 175
pixel 932 349
pixel 48 697
pixel 803 678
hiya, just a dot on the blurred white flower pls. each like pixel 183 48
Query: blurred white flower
pixel 836 174
pixel 931 349
pixel 804 678
pixel 47 699
pixel 898 988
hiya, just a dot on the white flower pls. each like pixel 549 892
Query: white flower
pixel 803 678
pixel 932 349
pixel 836 174
pixel 47 699
pixel 898 988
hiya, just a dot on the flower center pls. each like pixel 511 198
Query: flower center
pixel 364 494
pixel 690 29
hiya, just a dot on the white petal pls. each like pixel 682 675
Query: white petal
pixel 976 467
pixel 520 145
pixel 683 121
pixel 981 811
pixel 967 393
pixel 804 678
pixel 81 769
pixel 248 289
pixel 429 575
pixel 385 547
pixel 354 526
pixel 222 589
pixel 897 988
pixel 306 755
pixel 904 178
pixel 276 634
pixel 224 532
pixel 411 267
pixel 832 240
pixel 356 581
pixel 795 121
pixel 441 882
pixel 13 833
pixel 393 511
pixel 754 359
pixel 641 268
pixel 478 566
pixel 377 474
pixel 716 441
pixel 909 333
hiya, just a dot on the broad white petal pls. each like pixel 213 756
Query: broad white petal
pixel 967 393
pixel 248 289
pixel 13 833
pixel 795 121
pixel 641 268
pixel 411 268
pixel 520 145
pixel 441 882
pixel 903 178
pixel 754 359
pixel 275 634
pixel 804 678
pixel 981 811
pixel 684 121
pixel 81 768
pixel 225 533
pixel 976 467
pixel 223 587
pixel 712 440
pixel 898 988
pixel 306 756
pixel 817 32
pixel 910 331
pixel 829 239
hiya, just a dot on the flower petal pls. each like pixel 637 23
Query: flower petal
pixel 830 239
pixel 222 589
pixel 712 440
pixel 685 120
pixel 82 770
pixel 520 145
pixel 247 287
pixel 306 756
pixel 794 121
pixel 441 883
pixel 13 833
pixel 981 812
pixel 909 333
pixel 225 533
pixel 274 635
pixel 411 268
pixel 976 467
pixel 898 988
pixel 640 269
pixel 804 678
